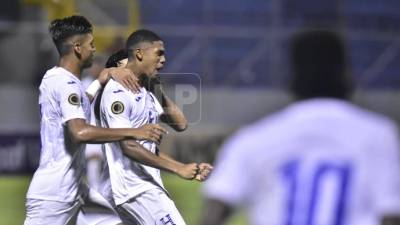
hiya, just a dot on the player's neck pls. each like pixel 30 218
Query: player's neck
pixel 136 70
pixel 71 66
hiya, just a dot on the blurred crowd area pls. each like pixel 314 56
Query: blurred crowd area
pixel 234 43
pixel 237 48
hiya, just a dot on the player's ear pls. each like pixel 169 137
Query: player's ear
pixel 139 54
pixel 76 46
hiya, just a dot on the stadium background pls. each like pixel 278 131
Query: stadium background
pixel 232 53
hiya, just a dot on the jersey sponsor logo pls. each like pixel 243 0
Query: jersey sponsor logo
pixel 138 98
pixel 118 91
pixel 117 107
pixel 73 99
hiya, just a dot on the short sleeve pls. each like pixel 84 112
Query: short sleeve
pixel 116 109
pixel 230 180
pixel 70 97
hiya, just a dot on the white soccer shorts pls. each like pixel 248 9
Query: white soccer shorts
pixel 42 212
pixel 95 210
pixel 150 207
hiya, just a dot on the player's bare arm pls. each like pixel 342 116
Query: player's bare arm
pixel 215 212
pixel 81 132
pixel 136 152
pixel 122 75
pixel 173 116
pixel 203 169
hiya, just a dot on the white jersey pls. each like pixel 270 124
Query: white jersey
pixel 62 163
pixel 320 161
pixel 121 108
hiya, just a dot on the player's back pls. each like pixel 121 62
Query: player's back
pixel 318 162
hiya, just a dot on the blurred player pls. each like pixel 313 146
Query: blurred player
pixel 322 160
pixel 57 190
pixel 136 185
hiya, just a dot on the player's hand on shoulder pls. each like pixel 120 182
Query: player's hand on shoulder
pixel 188 171
pixel 150 132
pixel 126 78
pixel 204 171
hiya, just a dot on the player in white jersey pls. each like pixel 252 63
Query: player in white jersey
pixel 92 214
pixel 57 190
pixel 321 160
pixel 136 186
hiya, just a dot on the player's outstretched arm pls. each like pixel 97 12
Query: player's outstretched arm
pixel 136 152
pixel 123 76
pixel 81 132
pixel 215 212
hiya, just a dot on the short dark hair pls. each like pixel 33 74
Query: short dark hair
pixel 138 37
pixel 62 29
pixel 319 65
pixel 113 60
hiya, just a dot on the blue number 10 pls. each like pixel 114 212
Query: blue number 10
pixel 314 191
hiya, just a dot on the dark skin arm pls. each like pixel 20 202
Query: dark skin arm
pixel 81 132
pixel 215 212
pixel 173 116
pixel 204 169
pixel 136 152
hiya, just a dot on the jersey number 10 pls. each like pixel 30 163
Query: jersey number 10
pixel 311 200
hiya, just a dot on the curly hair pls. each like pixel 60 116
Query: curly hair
pixel 62 29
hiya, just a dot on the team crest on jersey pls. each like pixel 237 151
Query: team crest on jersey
pixel 73 99
pixel 117 107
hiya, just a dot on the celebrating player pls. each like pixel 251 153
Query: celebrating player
pixel 57 189
pixel 136 185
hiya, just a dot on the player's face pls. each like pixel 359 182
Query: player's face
pixel 153 58
pixel 87 50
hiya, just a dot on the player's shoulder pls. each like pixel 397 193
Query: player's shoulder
pixel 114 91
pixel 113 88
pixel 58 79
pixel 372 119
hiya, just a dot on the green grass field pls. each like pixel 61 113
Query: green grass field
pixel 186 195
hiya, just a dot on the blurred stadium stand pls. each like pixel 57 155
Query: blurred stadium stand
pixel 237 47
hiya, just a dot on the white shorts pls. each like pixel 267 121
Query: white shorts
pixel 93 210
pixel 45 212
pixel 150 207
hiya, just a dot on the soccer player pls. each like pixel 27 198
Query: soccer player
pixel 136 185
pixel 98 214
pixel 57 190
pixel 93 152
pixel 322 160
